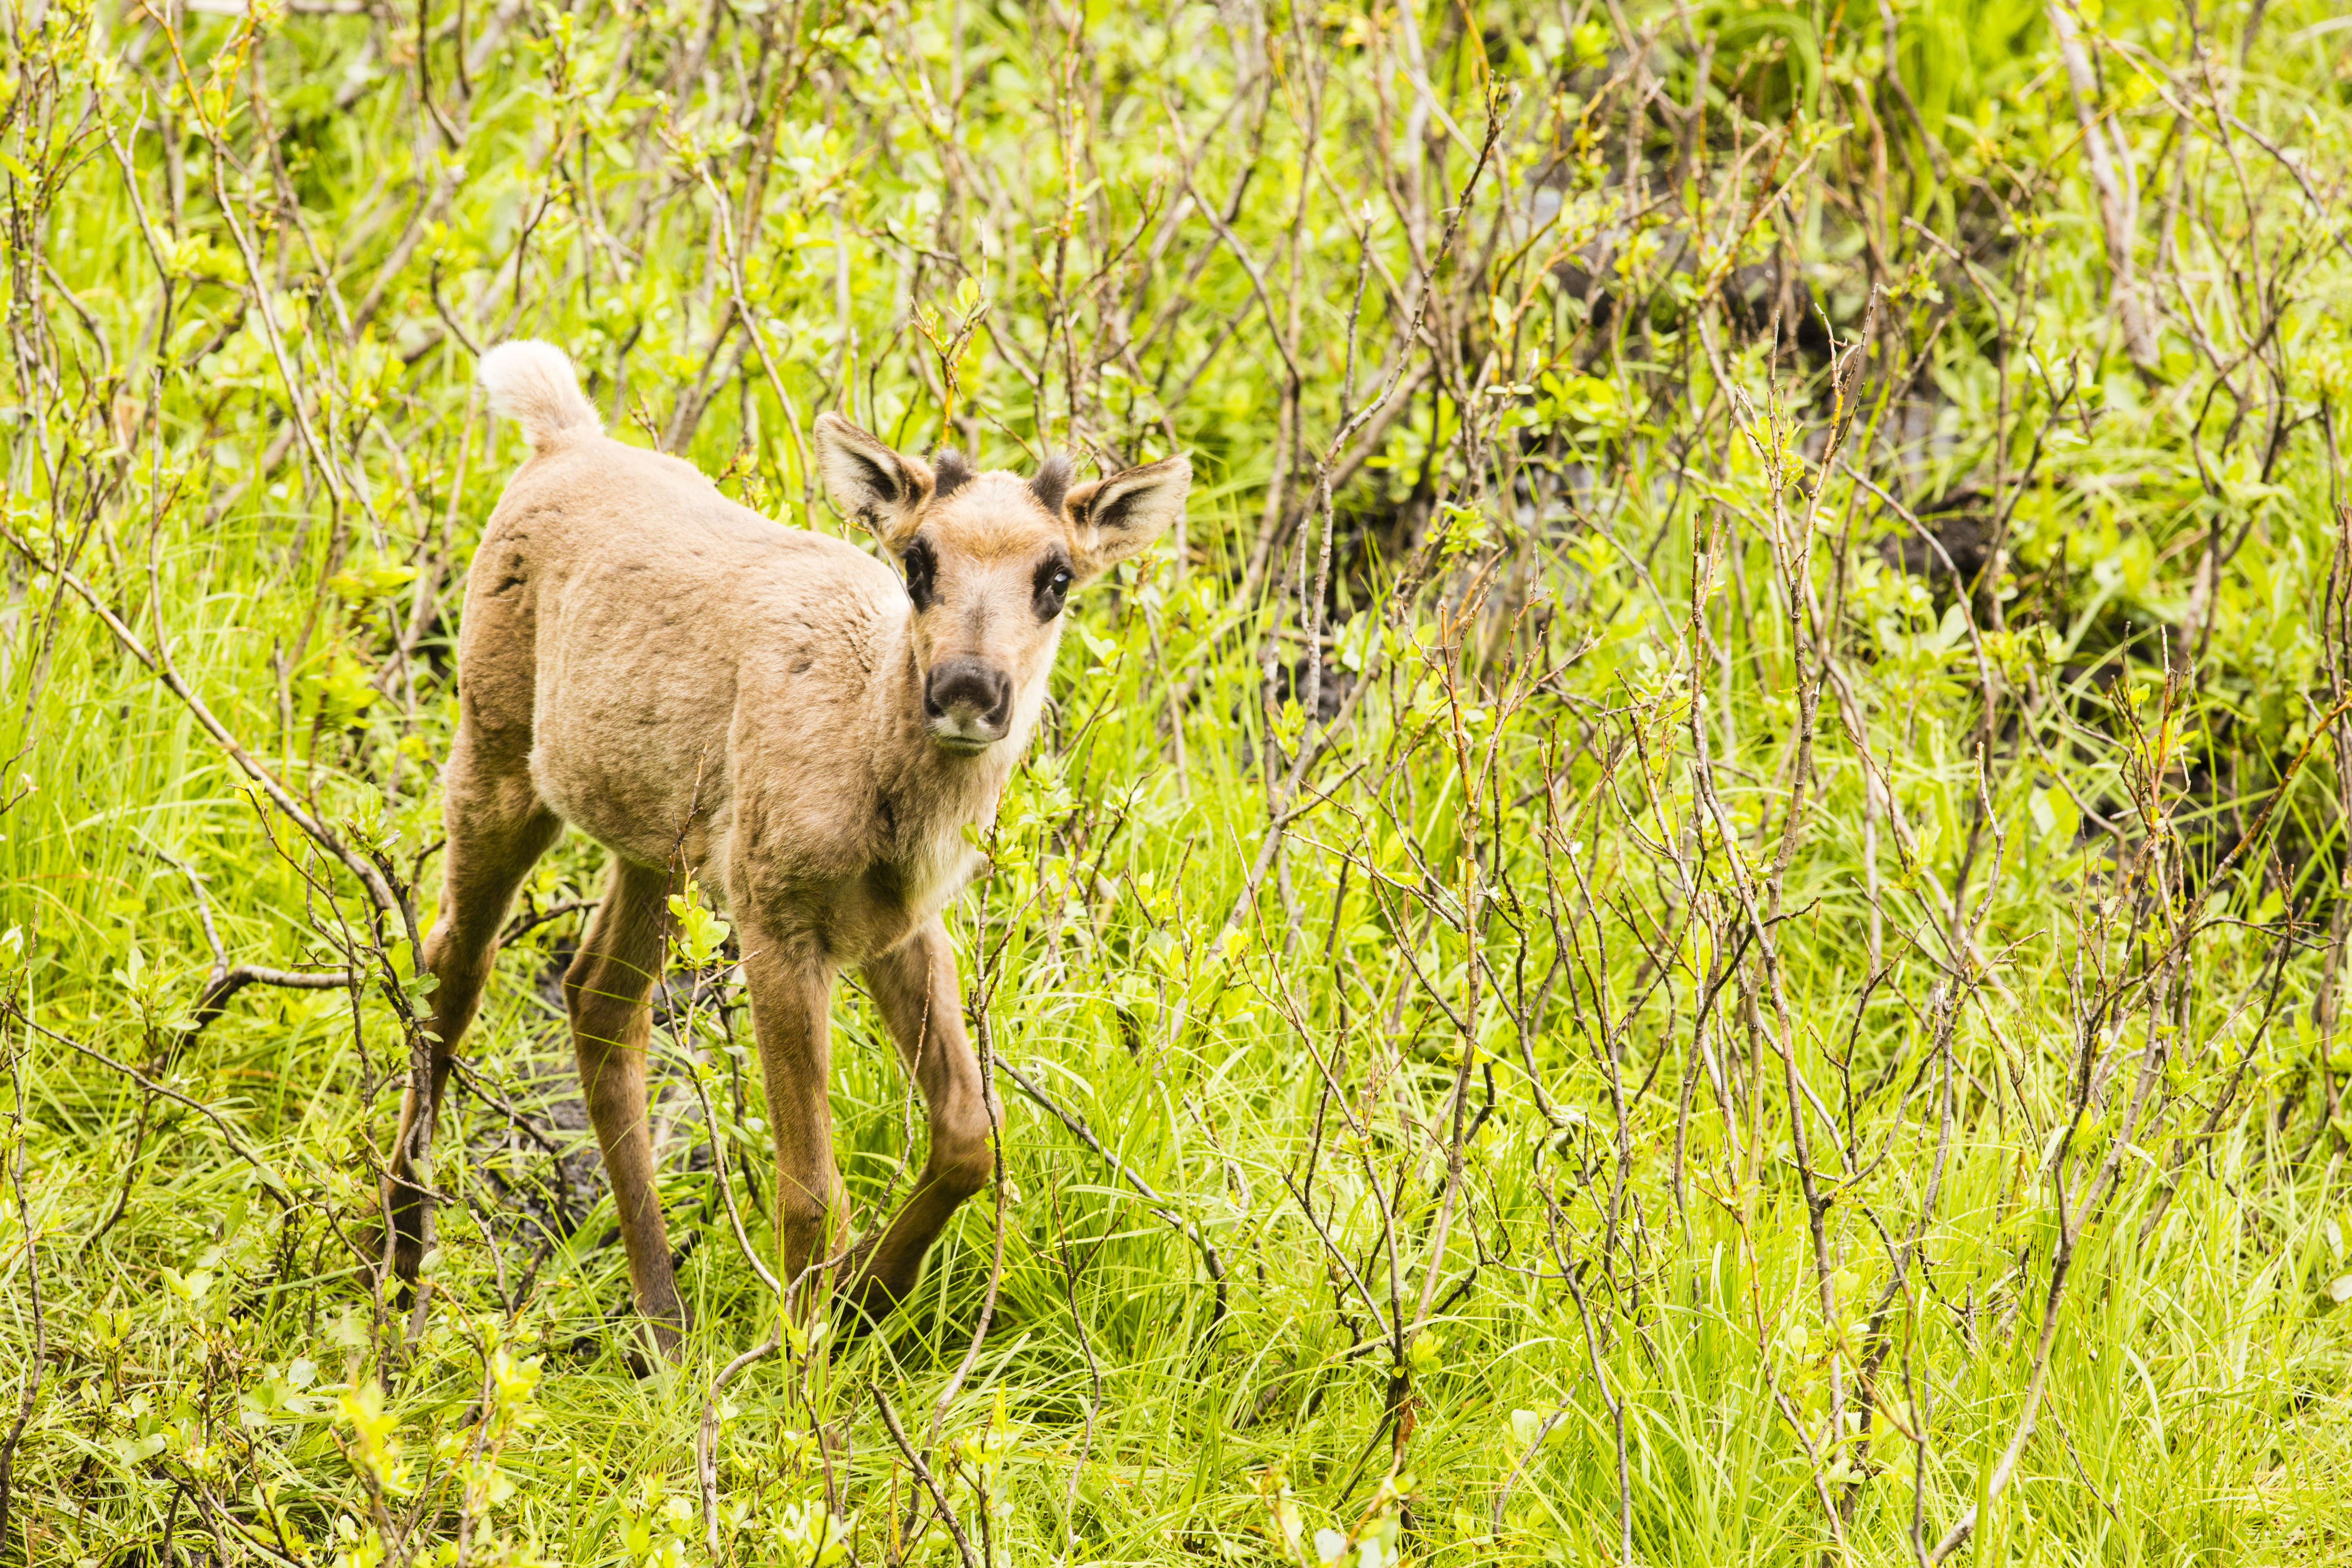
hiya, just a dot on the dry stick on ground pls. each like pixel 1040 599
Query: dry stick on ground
pixel 522 925
pixel 218 993
pixel 923 1474
pixel 226 981
pixel 705 1437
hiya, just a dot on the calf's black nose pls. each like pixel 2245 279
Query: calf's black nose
pixel 967 698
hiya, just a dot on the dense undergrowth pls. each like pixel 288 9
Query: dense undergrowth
pixel 1698 919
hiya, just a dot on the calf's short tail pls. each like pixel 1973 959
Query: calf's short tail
pixel 533 384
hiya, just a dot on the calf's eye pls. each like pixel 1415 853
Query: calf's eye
pixel 1053 586
pixel 922 569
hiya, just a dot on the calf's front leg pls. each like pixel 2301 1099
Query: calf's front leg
pixel 915 987
pixel 791 988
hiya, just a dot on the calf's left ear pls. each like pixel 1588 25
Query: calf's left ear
pixel 1110 519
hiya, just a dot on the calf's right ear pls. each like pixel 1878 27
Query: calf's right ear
pixel 866 480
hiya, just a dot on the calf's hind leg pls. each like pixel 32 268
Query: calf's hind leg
pixel 497 827
pixel 606 990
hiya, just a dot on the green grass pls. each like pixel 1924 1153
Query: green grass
pixel 1744 1051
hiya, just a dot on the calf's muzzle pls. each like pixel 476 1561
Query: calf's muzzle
pixel 967 705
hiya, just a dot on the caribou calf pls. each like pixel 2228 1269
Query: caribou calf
pixel 701 689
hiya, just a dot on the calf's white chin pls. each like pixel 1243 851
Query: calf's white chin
pixel 956 742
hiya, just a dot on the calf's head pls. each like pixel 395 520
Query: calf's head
pixel 990 560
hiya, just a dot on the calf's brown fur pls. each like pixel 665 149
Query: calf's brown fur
pixel 701 689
